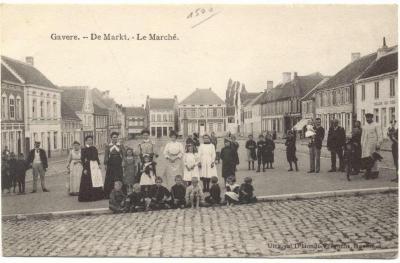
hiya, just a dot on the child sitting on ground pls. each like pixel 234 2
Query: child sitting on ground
pixel 194 194
pixel 160 196
pixel 117 199
pixel 232 191
pixel 147 178
pixel 215 192
pixel 178 192
pixel 246 192
pixel 136 199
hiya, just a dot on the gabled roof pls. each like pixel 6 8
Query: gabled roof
pixel 308 95
pixel 255 100
pixel 161 104
pixel 385 64
pixel 297 87
pixel 28 73
pixel 6 75
pixel 99 110
pixel 202 97
pixel 74 97
pixel 98 99
pixel 249 96
pixel 135 111
pixel 67 113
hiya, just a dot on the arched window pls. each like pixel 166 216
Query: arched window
pixel 18 108
pixel 4 107
pixel 11 105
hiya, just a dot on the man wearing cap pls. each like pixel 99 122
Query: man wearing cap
pixel 335 143
pixel 371 140
pixel 38 159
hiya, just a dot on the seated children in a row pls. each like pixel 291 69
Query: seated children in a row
pixel 243 194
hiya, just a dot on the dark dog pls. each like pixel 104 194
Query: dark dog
pixel 368 162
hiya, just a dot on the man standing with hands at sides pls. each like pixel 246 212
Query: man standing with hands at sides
pixel 371 139
pixel 336 141
pixel 38 159
pixel 315 146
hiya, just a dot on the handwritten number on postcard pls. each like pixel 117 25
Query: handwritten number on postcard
pixel 199 12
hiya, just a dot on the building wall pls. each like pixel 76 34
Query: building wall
pixel 135 125
pixel 71 131
pixel 101 132
pixel 43 118
pixel 307 109
pixel 384 106
pixel 202 119
pixel 12 117
pixel 161 122
pixel 335 103
pixel 252 120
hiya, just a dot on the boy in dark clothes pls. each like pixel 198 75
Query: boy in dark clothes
pixel 349 157
pixel 261 152
pixel 291 150
pixel 228 157
pixel 251 147
pixel 160 196
pixel 215 192
pixel 136 199
pixel 13 170
pixel 117 199
pixel 246 192
pixel 21 168
pixel 269 151
pixel 178 193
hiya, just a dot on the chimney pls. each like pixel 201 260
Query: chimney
pixel 355 56
pixel 29 60
pixel 286 77
pixel 383 50
pixel 270 85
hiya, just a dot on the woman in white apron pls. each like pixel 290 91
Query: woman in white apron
pixel 91 187
pixel 173 152
pixel 75 169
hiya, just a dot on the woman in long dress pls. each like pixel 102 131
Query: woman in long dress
pixel 173 152
pixel 114 156
pixel 75 169
pixel 91 180
pixel 207 162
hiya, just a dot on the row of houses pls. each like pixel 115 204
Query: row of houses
pixel 35 109
pixel 366 84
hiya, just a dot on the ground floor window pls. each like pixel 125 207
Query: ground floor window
pixel 165 131
pixel 153 131
pixel 55 140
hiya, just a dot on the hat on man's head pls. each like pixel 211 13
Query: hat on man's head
pixel 369 114
pixel 145 131
pixel 37 142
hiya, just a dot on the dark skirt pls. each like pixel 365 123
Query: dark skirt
pixel 268 157
pixel 291 154
pixel 228 169
pixel 5 179
pixel 114 173
pixel 87 192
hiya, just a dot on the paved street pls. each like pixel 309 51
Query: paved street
pixel 264 229
pixel 272 182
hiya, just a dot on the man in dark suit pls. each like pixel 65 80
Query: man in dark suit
pixel 38 159
pixel 336 141
pixel 315 146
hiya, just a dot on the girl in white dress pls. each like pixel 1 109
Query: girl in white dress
pixel 75 169
pixel 207 162
pixel 173 152
pixel 191 162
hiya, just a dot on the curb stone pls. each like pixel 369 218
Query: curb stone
pixel 268 198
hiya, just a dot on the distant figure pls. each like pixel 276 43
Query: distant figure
pixel 269 151
pixel 315 146
pixel 251 147
pixel 356 142
pixel 291 150
pixel 38 159
pixel 274 135
pixel 393 134
pixel 13 170
pixel 214 139
pixel 21 168
pixel 261 153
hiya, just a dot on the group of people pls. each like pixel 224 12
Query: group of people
pixel 13 169
pixel 261 151
pixel 357 152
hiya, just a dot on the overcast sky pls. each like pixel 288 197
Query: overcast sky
pixel 251 44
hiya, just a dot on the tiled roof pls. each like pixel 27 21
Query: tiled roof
pixel 297 87
pixel 349 73
pixel 308 95
pixel 28 73
pixel 255 100
pixel 67 113
pixel 74 97
pixel 135 111
pixel 201 97
pixel 6 75
pixel 99 110
pixel 161 104
pixel 385 64
pixel 99 100
pixel 249 96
